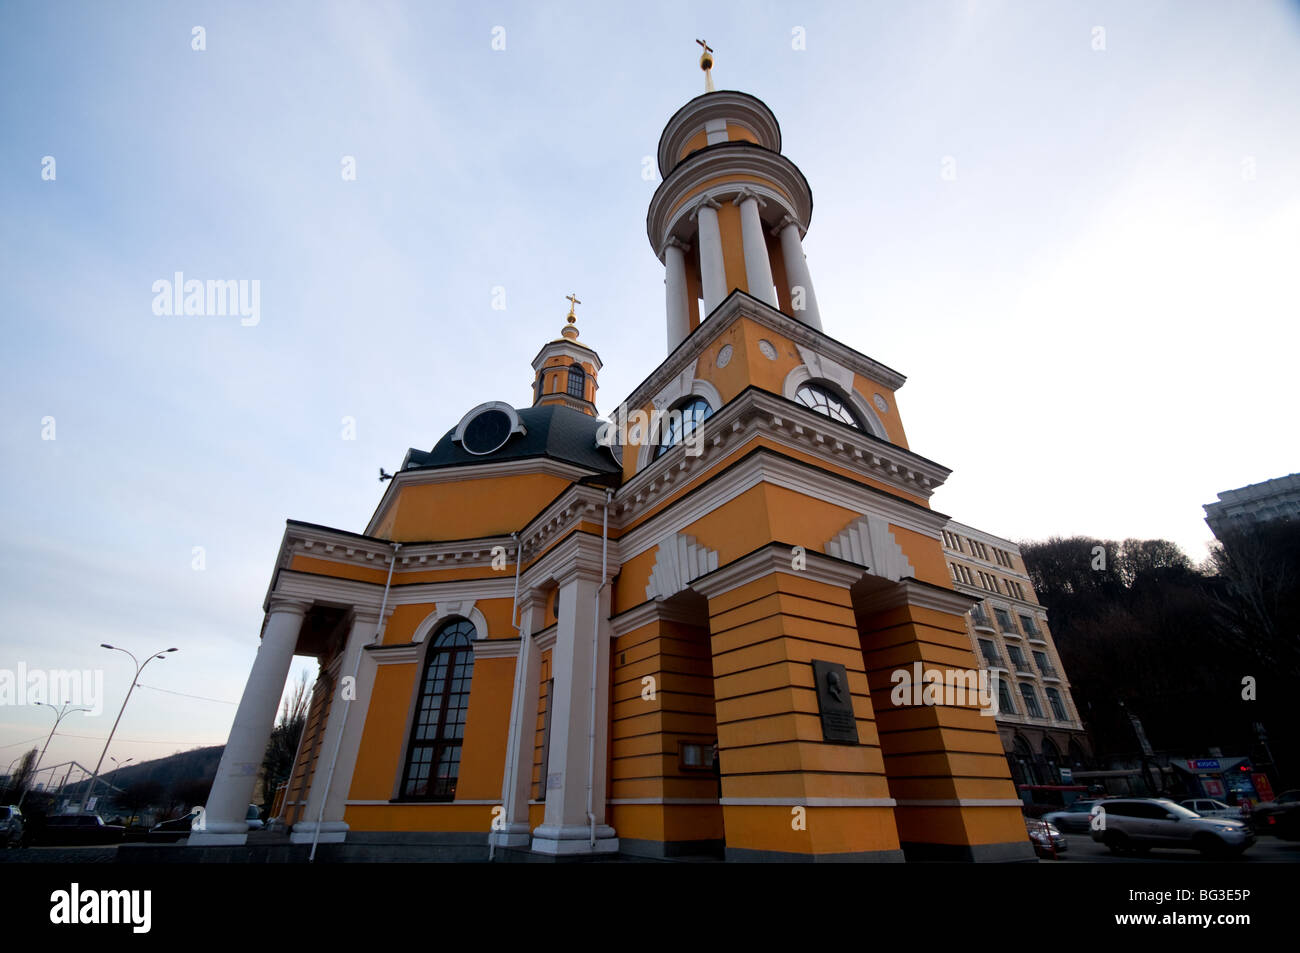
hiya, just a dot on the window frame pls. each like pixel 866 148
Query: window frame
pixel 441 740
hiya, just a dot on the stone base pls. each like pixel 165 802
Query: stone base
pixel 331 832
pixel 1008 852
pixel 209 839
pixel 574 839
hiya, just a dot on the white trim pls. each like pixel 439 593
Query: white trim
pixel 817 368
pixel 868 542
pixel 496 648
pixel 516 426
pixel 679 560
pixel 447 608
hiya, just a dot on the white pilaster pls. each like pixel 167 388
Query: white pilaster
pixel 713 277
pixel 758 267
pixel 343 730
pixel 679 321
pixel 566 829
pixel 517 781
pixel 796 271
pixel 225 814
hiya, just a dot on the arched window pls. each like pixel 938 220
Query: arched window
pixel 433 756
pixel 1022 762
pixel 681 421
pixel 1052 757
pixel 577 381
pixel 827 402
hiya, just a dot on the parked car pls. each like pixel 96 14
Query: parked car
pixel 1138 824
pixel 1073 819
pixel 12 828
pixel 1047 840
pixel 172 830
pixel 69 830
pixel 1208 807
pixel 1279 817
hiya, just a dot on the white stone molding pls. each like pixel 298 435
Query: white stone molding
pixel 647 612
pixel 516 425
pixel 868 542
pixel 495 648
pixel 774 558
pixel 817 367
pixel 452 608
pixel 733 107
pixel 680 560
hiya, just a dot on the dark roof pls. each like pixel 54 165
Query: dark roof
pixel 554 431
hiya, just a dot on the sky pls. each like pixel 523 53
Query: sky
pixel 1073 226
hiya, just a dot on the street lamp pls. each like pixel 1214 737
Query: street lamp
pixel 62 710
pixel 138 669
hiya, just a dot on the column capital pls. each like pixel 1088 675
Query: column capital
pixel 786 221
pixel 703 203
pixel 674 242
pixel 287 604
pixel 745 194
pixel 369 615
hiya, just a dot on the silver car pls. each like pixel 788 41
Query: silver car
pixel 1208 807
pixel 1138 824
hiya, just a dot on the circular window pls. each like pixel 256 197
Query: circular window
pixel 486 432
pixel 824 402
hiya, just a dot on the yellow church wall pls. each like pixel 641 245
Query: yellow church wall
pixel 449 816
pixel 329 567
pixel 737 132
pixel 925 553
pixel 694 144
pixel 487 725
pixel 733 252
pixel 471 508
pixel 375 776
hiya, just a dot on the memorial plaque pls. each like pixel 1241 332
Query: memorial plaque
pixel 839 725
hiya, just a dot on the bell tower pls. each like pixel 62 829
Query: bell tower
pixel 565 371
pixel 731 211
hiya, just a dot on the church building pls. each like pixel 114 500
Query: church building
pixel 672 632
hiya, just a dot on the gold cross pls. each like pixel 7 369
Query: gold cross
pixel 707 48
pixel 573 300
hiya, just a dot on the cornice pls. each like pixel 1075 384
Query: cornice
pixel 777 557
pixel 579 352
pixel 652 610
pixel 740 304
pixel 789 190
pixel 496 648
pixel 741 108
pixel 914 592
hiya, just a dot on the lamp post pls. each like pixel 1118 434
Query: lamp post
pixel 61 711
pixel 138 669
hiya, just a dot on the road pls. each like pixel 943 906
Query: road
pixel 1083 848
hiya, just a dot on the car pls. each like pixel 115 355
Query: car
pixel 1208 807
pixel 1138 824
pixel 12 828
pixel 1074 818
pixel 1279 817
pixel 69 830
pixel 1048 841
pixel 172 830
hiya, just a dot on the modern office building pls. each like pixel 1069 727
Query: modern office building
pixel 1252 505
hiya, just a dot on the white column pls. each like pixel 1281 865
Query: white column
pixel 758 268
pixel 796 271
pixel 713 277
pixel 566 828
pixel 679 312
pixel 342 734
pixel 225 813
pixel 517 782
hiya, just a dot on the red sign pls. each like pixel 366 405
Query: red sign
pixel 1262 786
pixel 1213 787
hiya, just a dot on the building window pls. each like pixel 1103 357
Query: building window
pixel 1005 704
pixel 978 549
pixel 1044 665
pixel 990 652
pixel 823 401
pixel 1004 621
pixel 978 617
pixel 577 381
pixel 1013 588
pixel 1058 705
pixel 433 756
pixel 1031 700
pixel 689 414
pixel 1031 629
pixel 1017 658
pixel 952 541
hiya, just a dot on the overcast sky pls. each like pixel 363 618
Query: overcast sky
pixel 1097 314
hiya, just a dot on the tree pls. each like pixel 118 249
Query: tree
pixel 283 745
pixel 21 778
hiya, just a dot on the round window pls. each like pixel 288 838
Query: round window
pixel 486 432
